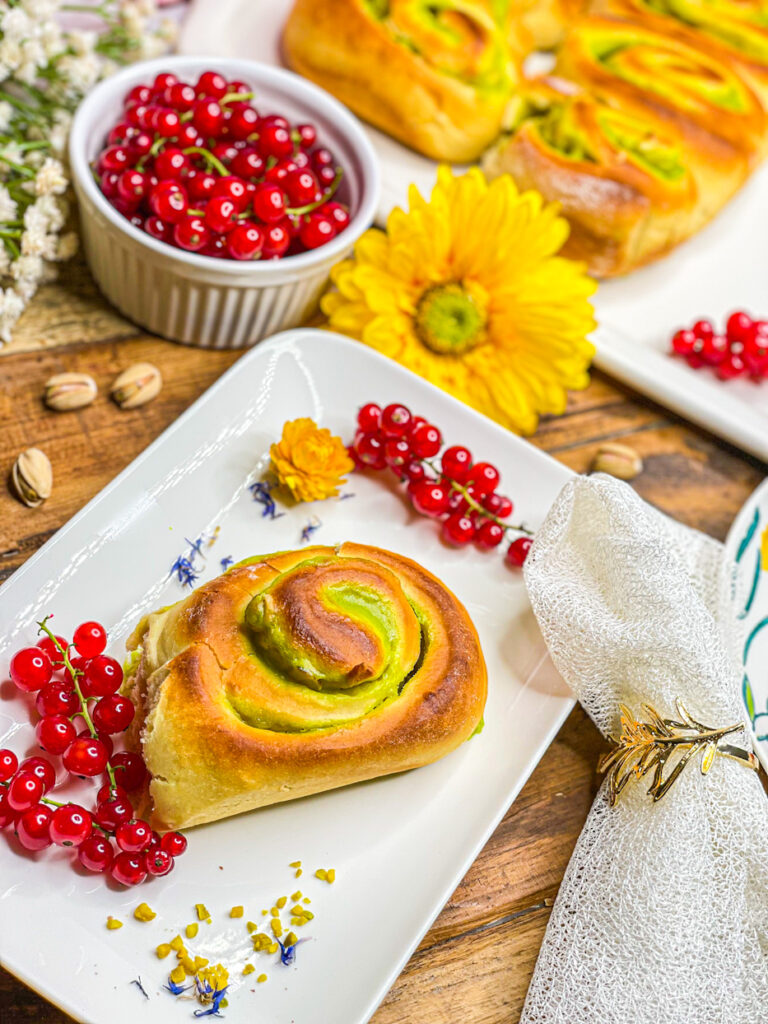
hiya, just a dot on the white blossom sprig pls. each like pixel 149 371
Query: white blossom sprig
pixel 45 71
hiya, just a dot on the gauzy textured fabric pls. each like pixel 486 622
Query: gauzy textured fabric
pixel 662 916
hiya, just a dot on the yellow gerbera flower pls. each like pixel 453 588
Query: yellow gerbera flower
pixel 467 291
pixel 310 461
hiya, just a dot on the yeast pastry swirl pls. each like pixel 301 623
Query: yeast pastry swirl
pixel 299 672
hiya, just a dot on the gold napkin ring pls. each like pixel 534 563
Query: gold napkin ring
pixel 643 746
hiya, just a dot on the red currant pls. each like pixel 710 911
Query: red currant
pixel 211 83
pixel 316 230
pixel 158 862
pixel 425 441
pixel 31 669
pixel 683 342
pixel 414 471
pixel 739 326
pixel 269 203
pixel 326 177
pixel 133 836
pixel 103 676
pixel 369 418
pixel 167 123
pixel 307 135
pixel 9 764
pixel 248 163
pixel 277 238
pixel 131 186
pixel 458 530
pixel 517 552
pixel 456 463
pixel 274 140
pixel 90 639
pixel 396 420
pixel 732 366
pixel 234 188
pixel 107 792
pixel 7 814
pixel 221 214
pixel 163 81
pixel 113 714
pixel 703 329
pixel 191 233
pixel 484 477
pixel 159 229
pixel 43 769
pixel 171 163
pixel 113 812
pixel 174 843
pixel 102 737
pixel 322 158
pixel 85 757
pixel 71 825
pixel 226 153
pixel 714 349
pixel 168 201
pixel 338 214
pixel 53 649
pixel 96 853
pixel 200 185
pixel 115 158
pixel 24 791
pixel 245 241
pixel 57 698
pixel 430 498
pixel 369 449
pixel 129 868
pixel 180 96
pixel 397 452
pixel 138 94
pixel 244 122
pixel 55 733
pixel 489 534
pixel 33 827
pixel 108 182
pixel 300 186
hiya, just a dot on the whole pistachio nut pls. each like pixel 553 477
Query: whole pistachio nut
pixel 67 391
pixel 619 460
pixel 32 477
pixel 137 385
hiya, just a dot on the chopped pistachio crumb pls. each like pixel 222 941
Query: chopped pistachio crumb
pixel 282 901
pixel 177 975
pixel 261 979
pixel 308 915
pixel 236 912
pixel 277 928
pixel 291 939
pixel 144 913
pixel 163 950
pixel 295 864
pixel 249 969
pixel 252 926
pixel 191 930
pixel 224 1003
pixel 296 896
pixel 113 923
pixel 176 943
pixel 202 912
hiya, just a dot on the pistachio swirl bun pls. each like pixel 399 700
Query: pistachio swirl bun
pixel 299 672
pixel 437 76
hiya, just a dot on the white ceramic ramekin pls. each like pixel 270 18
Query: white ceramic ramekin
pixel 200 300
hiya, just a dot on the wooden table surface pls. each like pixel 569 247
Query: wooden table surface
pixel 474 965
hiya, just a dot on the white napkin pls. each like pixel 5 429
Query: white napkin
pixel 662 916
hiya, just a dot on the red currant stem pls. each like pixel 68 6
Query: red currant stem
pixel 231 97
pixel 155 148
pixel 196 213
pixel 299 211
pixel 212 160
pixel 475 505
pixel 83 702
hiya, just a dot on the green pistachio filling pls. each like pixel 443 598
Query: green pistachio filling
pixel 639 142
pixel 737 24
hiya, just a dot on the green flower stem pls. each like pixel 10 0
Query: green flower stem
pixel 212 160
pixel 5 233
pixel 299 211
pixel 25 172
pixel 74 673
pixel 474 504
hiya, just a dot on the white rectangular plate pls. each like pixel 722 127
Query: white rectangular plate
pixel 720 269
pixel 400 844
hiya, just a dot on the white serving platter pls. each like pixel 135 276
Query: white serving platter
pixel 399 845
pixel 722 268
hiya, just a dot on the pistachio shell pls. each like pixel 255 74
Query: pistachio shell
pixel 618 460
pixel 67 391
pixel 32 477
pixel 137 385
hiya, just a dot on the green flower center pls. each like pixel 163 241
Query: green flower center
pixel 449 320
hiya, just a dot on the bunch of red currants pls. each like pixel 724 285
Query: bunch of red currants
pixel 80 709
pixel 742 350
pixel 198 167
pixel 463 494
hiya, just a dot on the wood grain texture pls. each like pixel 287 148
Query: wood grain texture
pixel 475 963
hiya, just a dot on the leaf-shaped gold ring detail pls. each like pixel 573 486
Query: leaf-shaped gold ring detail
pixel 643 746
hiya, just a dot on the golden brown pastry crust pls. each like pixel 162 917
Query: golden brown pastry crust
pixel 207 761
pixel 339 45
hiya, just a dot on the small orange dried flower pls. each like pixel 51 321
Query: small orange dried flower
pixel 310 461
